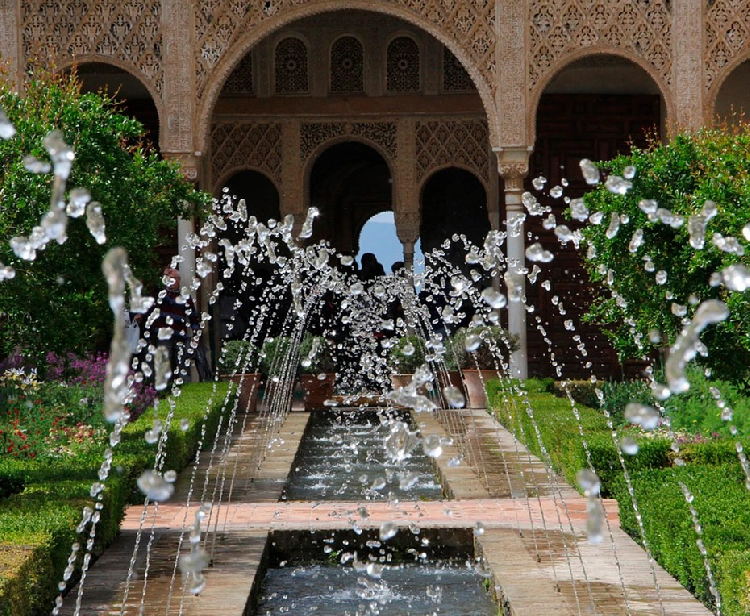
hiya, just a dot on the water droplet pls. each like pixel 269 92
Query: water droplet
pixel 536 252
pixel 454 396
pixel 589 171
pixel 588 481
pixel 642 415
pixel 578 210
pixel 6 128
pixel 629 446
pixel 387 531
pixel 95 222
pixel 154 486
pixel 614 225
pixel 617 185
pixel 539 182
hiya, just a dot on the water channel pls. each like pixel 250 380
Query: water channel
pixel 343 457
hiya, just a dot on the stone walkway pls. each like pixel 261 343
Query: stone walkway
pixel 533 535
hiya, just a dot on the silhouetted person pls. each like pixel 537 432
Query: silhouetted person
pixel 371 267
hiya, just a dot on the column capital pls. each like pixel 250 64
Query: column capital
pixel 513 166
pixel 407 226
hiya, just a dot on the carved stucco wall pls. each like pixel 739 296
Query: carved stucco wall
pixel 130 31
pixel 727 31
pixel 136 34
pixel 219 24
pixel 226 30
pixel 246 145
pixel 461 143
pixel 557 29
pixel 441 143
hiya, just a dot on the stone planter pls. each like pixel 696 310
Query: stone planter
pixel 316 391
pixel 476 396
pixel 247 384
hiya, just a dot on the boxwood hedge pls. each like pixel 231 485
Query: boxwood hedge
pixel 44 499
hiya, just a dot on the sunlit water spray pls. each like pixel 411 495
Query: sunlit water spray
pixel 304 275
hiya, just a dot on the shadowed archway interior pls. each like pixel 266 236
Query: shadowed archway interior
pixel 349 183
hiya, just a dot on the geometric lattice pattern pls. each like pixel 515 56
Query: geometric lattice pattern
pixel 246 145
pixel 727 28
pixel 402 65
pixel 129 30
pixel 291 67
pixel 455 77
pixel 469 25
pixel 240 80
pixel 464 143
pixel 557 28
pixel 315 134
pixel 347 65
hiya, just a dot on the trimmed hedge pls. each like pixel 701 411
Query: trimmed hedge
pixel 37 526
pixel 561 436
pixel 712 473
pixel 723 505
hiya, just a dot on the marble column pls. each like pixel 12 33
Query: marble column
pixel 513 167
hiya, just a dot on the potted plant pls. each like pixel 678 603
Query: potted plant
pixel 278 366
pixel 317 371
pixel 404 357
pixel 239 364
pixel 479 351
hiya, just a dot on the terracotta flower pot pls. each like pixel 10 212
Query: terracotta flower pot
pixel 247 384
pixel 475 392
pixel 316 391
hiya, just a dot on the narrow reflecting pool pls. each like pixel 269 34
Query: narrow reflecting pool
pixel 343 456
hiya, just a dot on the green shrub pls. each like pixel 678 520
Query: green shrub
pixel 561 436
pixel 583 392
pixel 617 394
pixel 723 507
pixel 403 363
pixel 321 360
pixel 696 410
pixel 140 193
pixel 37 526
pixel 496 343
pixel 681 175
pixel 242 349
pixel 275 354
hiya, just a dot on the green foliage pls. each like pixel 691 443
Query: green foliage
pixel 321 360
pixel 403 363
pixel 583 392
pixel 276 355
pixel 696 411
pixel 37 526
pixel 59 302
pixel 617 394
pixel 559 431
pixel 496 343
pixel 680 176
pixel 723 506
pixel 242 349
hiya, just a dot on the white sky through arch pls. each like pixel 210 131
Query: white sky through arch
pixel 379 237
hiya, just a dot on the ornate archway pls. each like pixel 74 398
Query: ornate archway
pixel 465 28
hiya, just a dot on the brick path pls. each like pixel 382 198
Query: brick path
pixel 533 540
